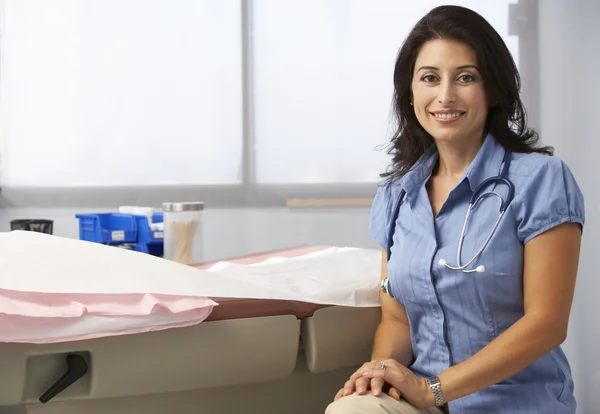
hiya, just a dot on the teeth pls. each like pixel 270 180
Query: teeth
pixel 448 116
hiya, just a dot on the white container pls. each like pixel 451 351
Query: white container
pixel 183 242
pixel 144 211
pixel 127 209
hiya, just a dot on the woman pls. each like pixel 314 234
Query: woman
pixel 477 331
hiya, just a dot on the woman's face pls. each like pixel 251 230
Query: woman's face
pixel 448 94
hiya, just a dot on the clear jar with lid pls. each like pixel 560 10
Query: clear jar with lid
pixel 183 239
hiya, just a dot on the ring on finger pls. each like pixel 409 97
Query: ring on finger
pixel 382 366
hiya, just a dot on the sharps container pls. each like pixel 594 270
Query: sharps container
pixel 40 226
pixel 183 232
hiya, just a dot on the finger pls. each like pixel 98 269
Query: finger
pixel 394 393
pixel 377 386
pixel 358 374
pixel 361 385
pixel 349 387
pixel 367 366
pixel 376 374
pixel 339 395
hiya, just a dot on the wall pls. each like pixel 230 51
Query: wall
pixel 231 232
pixel 570 88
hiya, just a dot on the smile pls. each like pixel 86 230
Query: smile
pixel 447 117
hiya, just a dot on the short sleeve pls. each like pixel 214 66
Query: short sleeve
pixel 380 213
pixel 552 197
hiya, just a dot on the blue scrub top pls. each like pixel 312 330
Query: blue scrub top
pixel 452 314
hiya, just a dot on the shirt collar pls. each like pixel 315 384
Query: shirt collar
pixel 486 164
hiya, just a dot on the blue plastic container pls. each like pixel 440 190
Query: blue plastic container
pixel 145 234
pixel 153 249
pixel 149 241
pixel 108 228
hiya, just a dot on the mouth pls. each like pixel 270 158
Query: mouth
pixel 447 117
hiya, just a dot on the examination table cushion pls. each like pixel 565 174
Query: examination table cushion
pixel 35 308
pixel 236 308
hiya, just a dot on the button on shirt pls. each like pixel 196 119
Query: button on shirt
pixel 453 314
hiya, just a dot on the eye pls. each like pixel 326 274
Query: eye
pixel 428 78
pixel 466 78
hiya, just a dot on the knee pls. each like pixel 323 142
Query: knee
pixel 358 404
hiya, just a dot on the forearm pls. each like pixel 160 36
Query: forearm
pixel 392 341
pixel 519 346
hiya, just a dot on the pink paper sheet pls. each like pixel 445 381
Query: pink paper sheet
pixel 50 317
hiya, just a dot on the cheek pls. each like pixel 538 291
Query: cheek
pixel 478 102
pixel 421 100
pixel 421 113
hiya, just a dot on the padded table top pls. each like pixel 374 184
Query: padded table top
pixel 238 308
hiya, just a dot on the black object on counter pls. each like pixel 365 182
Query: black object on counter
pixel 40 226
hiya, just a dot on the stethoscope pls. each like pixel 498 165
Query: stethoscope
pixel 478 194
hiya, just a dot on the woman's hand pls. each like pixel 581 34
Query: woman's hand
pixel 412 388
pixel 361 385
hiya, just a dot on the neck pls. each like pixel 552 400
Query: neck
pixel 455 157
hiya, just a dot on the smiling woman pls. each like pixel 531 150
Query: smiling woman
pixel 483 337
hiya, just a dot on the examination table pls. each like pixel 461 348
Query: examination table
pixel 249 355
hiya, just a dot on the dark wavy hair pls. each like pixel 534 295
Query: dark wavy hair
pixel 506 119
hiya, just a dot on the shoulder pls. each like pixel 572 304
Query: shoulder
pixel 387 191
pixel 541 173
pixel 546 193
pixel 381 213
pixel 528 165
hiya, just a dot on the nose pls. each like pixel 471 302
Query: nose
pixel 446 92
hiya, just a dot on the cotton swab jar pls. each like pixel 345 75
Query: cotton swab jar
pixel 183 241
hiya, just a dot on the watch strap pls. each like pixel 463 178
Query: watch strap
pixel 436 387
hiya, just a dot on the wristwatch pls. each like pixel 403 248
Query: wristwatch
pixel 436 387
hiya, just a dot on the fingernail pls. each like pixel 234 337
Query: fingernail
pixel 360 389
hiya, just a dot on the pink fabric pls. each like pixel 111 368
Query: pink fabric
pixel 31 317
pixel 47 318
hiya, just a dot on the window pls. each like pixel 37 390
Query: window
pixel 231 98
pixel 323 84
pixel 121 93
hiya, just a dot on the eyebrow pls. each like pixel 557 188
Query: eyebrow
pixel 459 68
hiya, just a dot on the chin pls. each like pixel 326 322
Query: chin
pixel 446 134
pixel 453 133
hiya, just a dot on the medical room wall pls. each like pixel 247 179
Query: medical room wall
pixel 568 97
pixel 569 92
